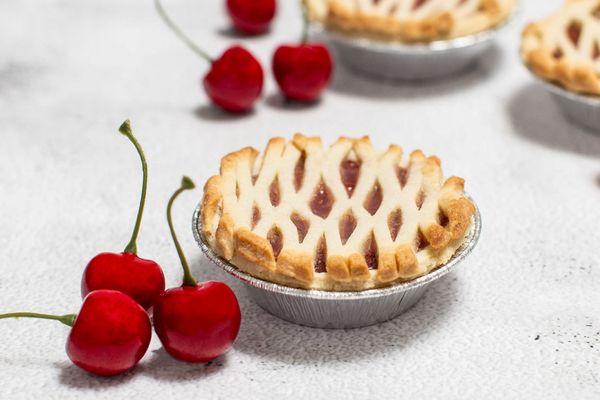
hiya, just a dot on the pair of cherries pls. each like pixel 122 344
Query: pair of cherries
pixel 195 322
pixel 234 81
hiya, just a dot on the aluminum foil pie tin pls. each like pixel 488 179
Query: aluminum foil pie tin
pixel 323 309
pixel 410 61
pixel 581 109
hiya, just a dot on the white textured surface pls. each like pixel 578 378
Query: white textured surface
pixel 521 319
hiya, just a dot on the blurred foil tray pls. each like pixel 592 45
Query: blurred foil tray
pixel 393 60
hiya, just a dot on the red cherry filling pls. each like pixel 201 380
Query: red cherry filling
pixel 574 32
pixel 274 194
pixel 558 53
pixel 301 224
pixel 349 173
pixel 299 172
pixel 420 241
pixel 374 199
pixel 255 215
pixel 275 237
pixel 322 201
pixel 347 225
pixel 371 251
pixel 420 199
pixel 402 174
pixel 395 223
pixel 418 3
pixel 321 255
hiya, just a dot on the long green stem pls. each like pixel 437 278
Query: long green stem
pixel 179 33
pixel 188 279
pixel 304 37
pixel 125 129
pixel 67 319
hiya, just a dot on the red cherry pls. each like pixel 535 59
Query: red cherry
pixel 235 80
pixel 251 16
pixel 109 336
pixel 302 71
pixel 141 279
pixel 195 322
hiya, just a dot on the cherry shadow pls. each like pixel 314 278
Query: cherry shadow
pixel 230 32
pixel 265 336
pixel 76 378
pixel 161 366
pixel 280 102
pixel 536 117
pixel 348 82
pixel 210 112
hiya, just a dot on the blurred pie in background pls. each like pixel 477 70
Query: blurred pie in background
pixel 410 20
pixel 564 48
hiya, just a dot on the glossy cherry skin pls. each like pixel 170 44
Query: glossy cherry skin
pixel 110 335
pixel 302 71
pixel 235 80
pixel 141 279
pixel 251 16
pixel 197 323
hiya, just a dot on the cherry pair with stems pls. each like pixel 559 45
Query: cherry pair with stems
pixel 234 81
pixel 195 322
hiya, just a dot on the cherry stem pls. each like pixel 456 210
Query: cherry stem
pixel 67 319
pixel 125 129
pixel 305 23
pixel 188 279
pixel 179 33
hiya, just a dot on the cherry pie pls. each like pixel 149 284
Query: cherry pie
pixel 410 20
pixel 344 218
pixel 565 47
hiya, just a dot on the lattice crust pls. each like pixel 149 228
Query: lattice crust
pixel 343 218
pixel 565 47
pixel 410 20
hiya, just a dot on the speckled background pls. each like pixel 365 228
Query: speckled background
pixel 520 319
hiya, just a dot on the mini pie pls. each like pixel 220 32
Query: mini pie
pixel 410 20
pixel 565 47
pixel 344 218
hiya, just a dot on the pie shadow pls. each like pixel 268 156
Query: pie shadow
pixel 350 82
pixel 265 336
pixel 536 117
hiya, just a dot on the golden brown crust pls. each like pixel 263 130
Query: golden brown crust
pixel 563 48
pixel 296 265
pixel 437 236
pixel 254 249
pixel 359 270
pixel 400 20
pixel 387 270
pixel 408 266
pixel 211 205
pixel 337 268
pixel 224 236
pixel 382 246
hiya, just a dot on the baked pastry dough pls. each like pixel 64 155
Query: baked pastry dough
pixel 565 47
pixel 344 218
pixel 410 20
